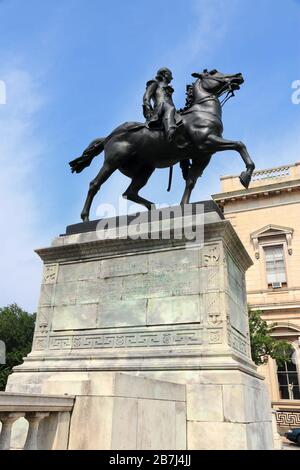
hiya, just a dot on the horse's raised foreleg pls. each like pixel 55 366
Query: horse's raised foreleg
pixel 137 183
pixel 105 172
pixel 194 173
pixel 219 145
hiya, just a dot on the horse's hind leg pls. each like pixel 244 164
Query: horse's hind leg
pixel 137 183
pixel 106 171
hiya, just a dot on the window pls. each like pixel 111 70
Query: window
pixel 275 265
pixel 288 381
pixel 276 233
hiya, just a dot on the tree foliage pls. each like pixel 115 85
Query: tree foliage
pixel 263 344
pixel 16 330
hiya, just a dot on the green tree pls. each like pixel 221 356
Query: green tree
pixel 16 330
pixel 263 344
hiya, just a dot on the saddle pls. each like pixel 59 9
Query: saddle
pixel 180 138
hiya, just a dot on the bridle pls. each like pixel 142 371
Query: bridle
pixel 226 87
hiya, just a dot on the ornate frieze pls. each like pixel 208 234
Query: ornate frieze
pixel 126 340
pixel 288 418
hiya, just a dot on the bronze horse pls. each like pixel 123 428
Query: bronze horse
pixel 137 151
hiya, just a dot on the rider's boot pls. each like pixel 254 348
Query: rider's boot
pixel 169 123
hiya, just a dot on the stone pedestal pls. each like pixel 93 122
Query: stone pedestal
pixel 165 308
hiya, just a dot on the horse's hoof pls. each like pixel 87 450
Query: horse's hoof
pixel 245 179
pixel 85 218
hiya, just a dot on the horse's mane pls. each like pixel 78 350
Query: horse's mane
pixel 189 98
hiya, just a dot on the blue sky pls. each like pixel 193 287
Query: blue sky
pixel 75 69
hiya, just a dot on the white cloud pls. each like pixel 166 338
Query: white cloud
pixel 19 150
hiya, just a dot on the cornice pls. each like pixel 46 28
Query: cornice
pixel 286 186
pixel 98 249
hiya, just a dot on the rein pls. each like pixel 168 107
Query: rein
pixel 230 94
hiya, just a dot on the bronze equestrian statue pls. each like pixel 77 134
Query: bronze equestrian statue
pixel 137 149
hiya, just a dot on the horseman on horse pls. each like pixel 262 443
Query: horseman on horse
pixel 168 137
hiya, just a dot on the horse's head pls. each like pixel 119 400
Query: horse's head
pixel 217 83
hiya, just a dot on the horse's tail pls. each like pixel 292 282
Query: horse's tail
pixel 82 162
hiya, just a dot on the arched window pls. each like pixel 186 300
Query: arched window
pixel 288 380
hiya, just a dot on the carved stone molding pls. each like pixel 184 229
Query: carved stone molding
pixel 215 336
pixel 43 319
pixel 211 255
pixel 213 309
pixel 50 273
pixel 40 343
pixel 100 249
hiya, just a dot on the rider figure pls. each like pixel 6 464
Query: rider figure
pixel 159 91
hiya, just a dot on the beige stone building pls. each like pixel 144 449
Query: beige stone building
pixel 267 219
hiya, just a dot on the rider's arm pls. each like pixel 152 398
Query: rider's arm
pixel 149 93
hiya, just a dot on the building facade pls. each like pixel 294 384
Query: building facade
pixel 267 219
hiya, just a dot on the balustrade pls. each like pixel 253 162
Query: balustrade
pixel 34 408
pixel 271 173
